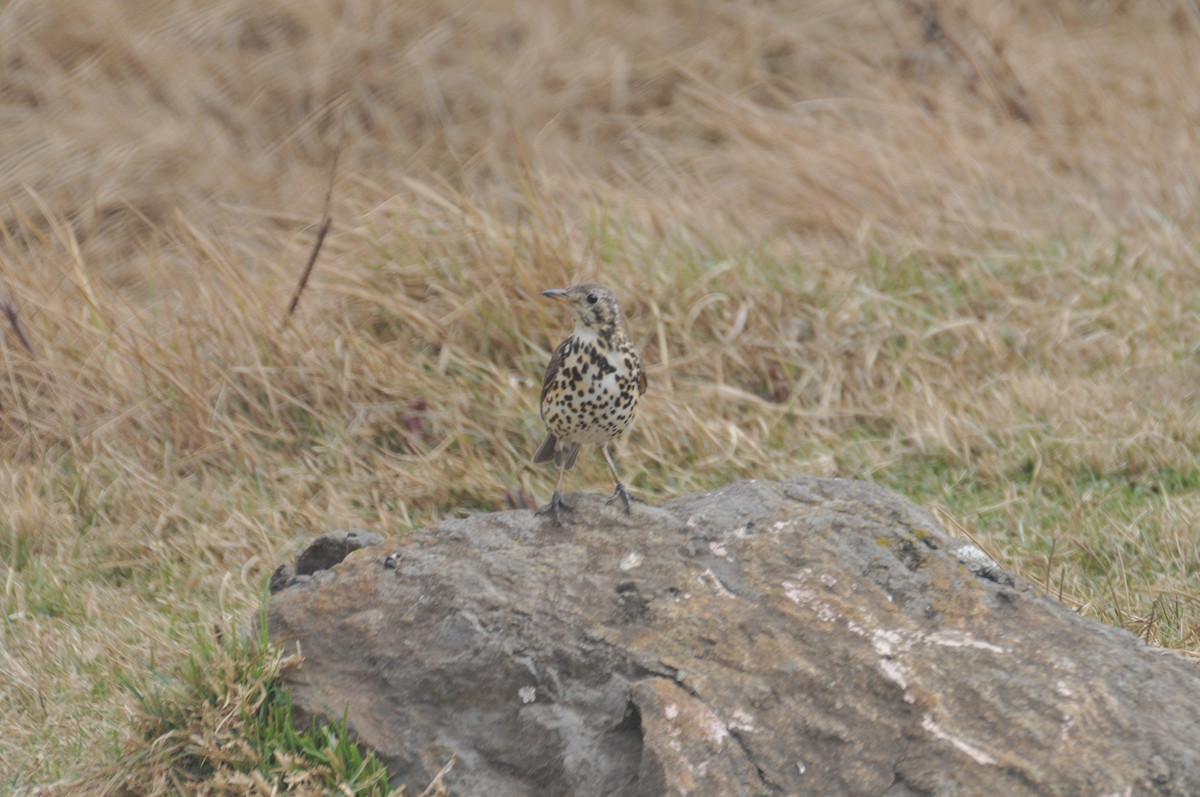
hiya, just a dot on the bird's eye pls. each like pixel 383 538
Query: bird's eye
pixel 591 298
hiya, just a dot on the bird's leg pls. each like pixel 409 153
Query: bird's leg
pixel 557 504
pixel 620 492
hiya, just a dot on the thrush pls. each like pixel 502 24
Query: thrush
pixel 591 388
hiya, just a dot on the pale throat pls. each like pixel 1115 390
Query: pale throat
pixel 586 334
pixel 590 335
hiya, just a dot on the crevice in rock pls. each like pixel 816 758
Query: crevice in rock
pixel 668 672
pixel 672 674
pixel 645 776
pixel 909 553
pixel 996 576
pixel 741 743
pixel 900 779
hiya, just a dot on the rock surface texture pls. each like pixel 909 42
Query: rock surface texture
pixel 810 637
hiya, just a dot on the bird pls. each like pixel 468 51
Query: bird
pixel 591 389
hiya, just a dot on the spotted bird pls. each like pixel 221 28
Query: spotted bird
pixel 591 388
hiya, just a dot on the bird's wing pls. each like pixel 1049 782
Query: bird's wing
pixel 556 361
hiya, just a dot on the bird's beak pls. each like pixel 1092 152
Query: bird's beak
pixel 555 293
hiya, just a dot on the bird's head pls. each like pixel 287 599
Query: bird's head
pixel 593 306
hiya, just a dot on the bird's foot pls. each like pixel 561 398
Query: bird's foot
pixel 625 497
pixel 555 508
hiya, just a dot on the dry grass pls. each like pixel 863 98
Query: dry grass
pixel 947 244
pixel 224 726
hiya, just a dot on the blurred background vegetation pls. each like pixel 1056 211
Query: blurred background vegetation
pixel 946 245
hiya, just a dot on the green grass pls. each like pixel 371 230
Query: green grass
pixel 1115 545
pixel 221 723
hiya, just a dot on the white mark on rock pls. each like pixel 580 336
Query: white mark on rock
pixel 975 559
pixel 976 755
pixel 742 722
pixel 801 768
pixel 719 549
pixel 721 590
pixel 798 594
pixel 779 524
pixel 716 731
pixel 803 596
pixel 958 639
pixel 671 712
pixel 888 643
pixel 528 694
pixel 1062 689
pixel 630 561
pixel 1065 730
pixel 472 620
pixel 827 580
pixel 895 672
pixel 891 645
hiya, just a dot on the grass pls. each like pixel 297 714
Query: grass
pixel 224 725
pixel 953 252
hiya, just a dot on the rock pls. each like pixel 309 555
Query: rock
pixel 283 577
pixel 806 637
pixel 330 549
pixel 321 554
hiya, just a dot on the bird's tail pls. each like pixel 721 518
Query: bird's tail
pixel 563 456
pixel 567 458
pixel 545 451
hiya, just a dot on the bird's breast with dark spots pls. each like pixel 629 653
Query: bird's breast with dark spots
pixel 593 394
